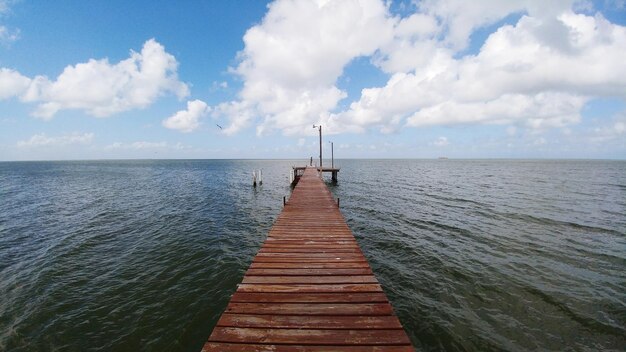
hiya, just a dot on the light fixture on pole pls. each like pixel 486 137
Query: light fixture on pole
pixel 320 129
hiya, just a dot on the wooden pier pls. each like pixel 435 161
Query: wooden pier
pixel 299 170
pixel 309 288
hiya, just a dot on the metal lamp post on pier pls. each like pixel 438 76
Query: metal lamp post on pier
pixel 320 129
pixel 332 156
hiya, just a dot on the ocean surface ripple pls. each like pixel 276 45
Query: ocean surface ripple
pixel 475 255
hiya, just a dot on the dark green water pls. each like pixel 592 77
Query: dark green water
pixel 474 255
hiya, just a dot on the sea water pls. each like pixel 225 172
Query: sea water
pixel 474 255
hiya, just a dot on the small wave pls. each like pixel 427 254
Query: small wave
pixel 585 321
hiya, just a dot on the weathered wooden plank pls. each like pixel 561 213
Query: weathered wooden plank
pixel 309 255
pixel 312 236
pixel 311 227
pixel 296 241
pixel 310 265
pixel 235 347
pixel 326 259
pixel 287 225
pixel 312 248
pixel 309 321
pixel 271 243
pixel 303 251
pixel 311 230
pixel 353 279
pixel 310 288
pixel 310 272
pixel 310 336
pixel 310 309
pixel 342 297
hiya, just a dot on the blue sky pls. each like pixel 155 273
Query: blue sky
pixel 404 79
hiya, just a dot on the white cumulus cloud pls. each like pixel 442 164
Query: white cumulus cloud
pixel 43 140
pixel 187 120
pixel 12 83
pixel 543 110
pixel 292 59
pixel 458 18
pixel 539 73
pixel 98 87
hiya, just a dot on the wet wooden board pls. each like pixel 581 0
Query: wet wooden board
pixel 309 272
pixel 227 347
pixel 308 322
pixel 309 287
pixel 365 297
pixel 310 336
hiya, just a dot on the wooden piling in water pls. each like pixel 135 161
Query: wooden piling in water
pixel 309 288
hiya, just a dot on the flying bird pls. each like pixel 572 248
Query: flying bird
pixel 219 126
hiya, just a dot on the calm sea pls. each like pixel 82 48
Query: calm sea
pixel 475 255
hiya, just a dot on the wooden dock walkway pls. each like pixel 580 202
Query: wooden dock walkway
pixel 309 288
